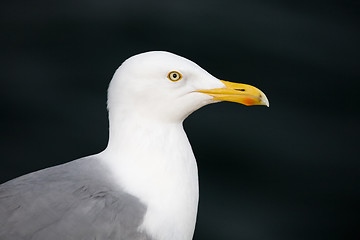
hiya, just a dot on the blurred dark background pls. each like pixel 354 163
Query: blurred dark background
pixel 290 171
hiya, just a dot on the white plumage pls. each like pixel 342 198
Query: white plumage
pixel 148 150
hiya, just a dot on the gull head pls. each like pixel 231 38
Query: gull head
pixel 162 86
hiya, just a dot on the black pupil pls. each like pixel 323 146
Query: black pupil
pixel 174 75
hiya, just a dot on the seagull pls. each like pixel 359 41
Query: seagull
pixel 144 185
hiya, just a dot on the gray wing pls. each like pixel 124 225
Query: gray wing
pixel 76 200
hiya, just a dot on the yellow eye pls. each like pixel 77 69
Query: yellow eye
pixel 174 76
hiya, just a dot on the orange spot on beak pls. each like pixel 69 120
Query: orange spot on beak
pixel 249 101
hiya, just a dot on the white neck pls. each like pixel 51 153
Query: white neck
pixel 160 170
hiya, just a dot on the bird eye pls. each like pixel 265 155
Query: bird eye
pixel 174 76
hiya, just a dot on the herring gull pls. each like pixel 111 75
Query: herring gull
pixel 144 185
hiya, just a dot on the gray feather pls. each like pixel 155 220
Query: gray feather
pixel 77 200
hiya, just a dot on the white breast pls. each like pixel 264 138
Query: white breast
pixel 161 171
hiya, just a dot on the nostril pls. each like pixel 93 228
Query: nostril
pixel 240 89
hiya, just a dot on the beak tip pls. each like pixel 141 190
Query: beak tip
pixel 264 100
pixel 267 103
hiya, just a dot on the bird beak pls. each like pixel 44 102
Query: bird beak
pixel 239 93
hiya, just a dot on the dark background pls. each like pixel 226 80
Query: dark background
pixel 290 171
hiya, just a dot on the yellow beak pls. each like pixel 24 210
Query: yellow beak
pixel 239 93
